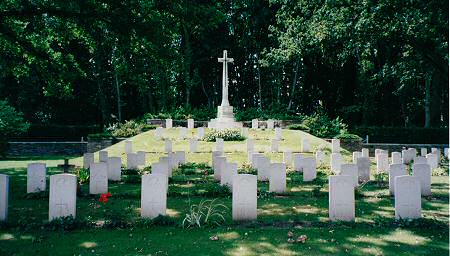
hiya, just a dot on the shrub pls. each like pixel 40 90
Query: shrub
pixel 207 212
pixel 214 190
pixel 322 126
pixel 300 127
pixel 100 136
pixel 407 135
pixel 82 175
pixel 348 137
pixel 226 135
pixel 65 224
pixel 128 129
pixel 248 169
pixel 12 122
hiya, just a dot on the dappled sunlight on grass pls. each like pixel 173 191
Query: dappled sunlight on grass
pixel 7 236
pixel 229 235
pixel 306 209
pixel 172 213
pixel 88 245
pixel 261 248
pixel 273 209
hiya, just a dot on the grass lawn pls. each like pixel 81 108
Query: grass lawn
pixel 115 228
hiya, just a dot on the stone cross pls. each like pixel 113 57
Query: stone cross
pixel 225 61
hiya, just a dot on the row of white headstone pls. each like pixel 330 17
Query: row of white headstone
pixel 270 124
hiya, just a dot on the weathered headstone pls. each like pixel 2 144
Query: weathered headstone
pixel 382 162
pixel 320 157
pixel 335 146
pixel 141 157
pixel 394 171
pixel 423 152
pixel 287 157
pixel 306 146
pixel 219 144
pixel 190 123
pixel 98 178
pixel 408 202
pixel 63 196
pixel 250 145
pixel 298 162
pixel 277 180
pixel 182 133
pixel 336 161
pixel 88 159
pixel 363 164
pixel 153 195
pixel 128 146
pixel 365 152
pixel 350 170
pixel 278 133
pixel 244 202
pixel 193 145
pixel 275 145
pixel 396 158
pixel 36 177
pixel 103 156
pixel 270 124
pixel 255 124
pixel 220 164
pixel 356 155
pixel 227 174
pixel 132 161
pixel 423 173
pixel 263 167
pixel 341 198
pixel 432 160
pixel 309 168
pixel 168 145
pixel 4 197
pixel 114 168
pixel 168 123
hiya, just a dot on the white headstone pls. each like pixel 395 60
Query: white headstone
pixel 306 146
pixel 63 196
pixel 363 164
pixel 88 159
pixel 227 174
pixel 220 164
pixel 200 132
pixel 423 152
pixel 336 161
pixel 335 146
pixel 168 123
pixel 36 177
pixel 396 158
pixel 408 202
pixel 350 170
pixel 219 144
pixel 183 133
pixel 132 161
pixel 437 152
pixel 263 166
pixel 190 124
pixel 244 202
pixel 423 173
pixel 420 160
pixel 365 152
pixel 382 162
pixel 213 155
pixel 128 146
pixel 141 157
pixel 165 161
pixel 356 155
pixel 193 145
pixel 379 151
pixel 244 132
pixel 103 156
pixel 407 156
pixel 161 167
pixel 432 160
pixel 180 157
pixel 277 180
pixel 255 124
pixel 153 195
pixel 114 168
pixel 341 198
pixel 298 162
pixel 278 133
pixel 270 124
pixel 275 145
pixel 254 156
pixel 309 169
pixel 287 157
pixel 98 178
pixel 250 145
pixel 320 157
pixel 446 152
pixel 4 196
pixel 159 133
pixel 394 171
pixel 168 145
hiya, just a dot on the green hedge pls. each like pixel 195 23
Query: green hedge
pixel 409 135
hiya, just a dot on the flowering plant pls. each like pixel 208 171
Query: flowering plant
pixel 104 197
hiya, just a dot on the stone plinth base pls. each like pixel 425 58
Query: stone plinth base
pixel 225 119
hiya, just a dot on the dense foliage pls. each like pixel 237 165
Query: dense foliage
pixel 11 121
pixel 226 135
pixel 95 62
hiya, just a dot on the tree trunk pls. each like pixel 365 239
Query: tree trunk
pixel 119 104
pixel 427 102
pixel 294 84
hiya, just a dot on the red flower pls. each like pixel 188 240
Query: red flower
pixel 108 194
pixel 104 197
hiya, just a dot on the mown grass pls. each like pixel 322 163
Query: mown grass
pixel 303 209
